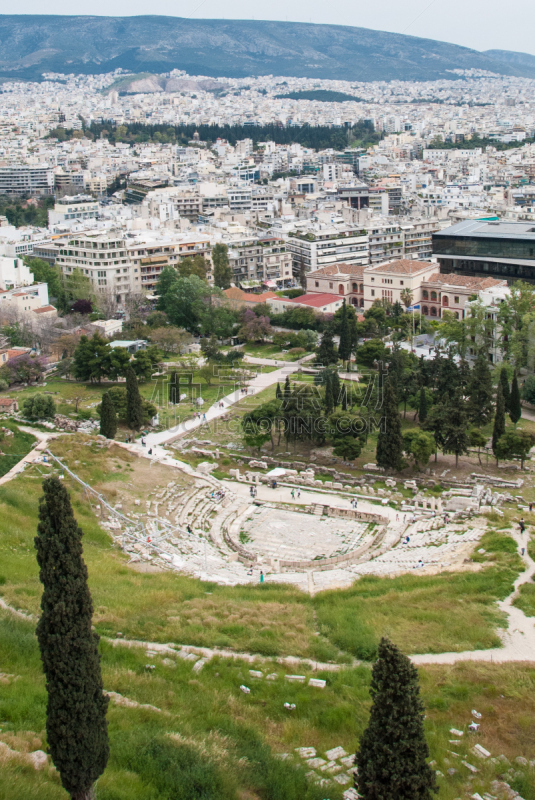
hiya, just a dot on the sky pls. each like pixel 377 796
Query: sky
pixel 480 24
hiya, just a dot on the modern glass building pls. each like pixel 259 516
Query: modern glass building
pixel 503 250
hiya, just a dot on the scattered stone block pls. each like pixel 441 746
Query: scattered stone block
pixel 456 732
pixel 199 665
pixel 306 752
pixel 328 766
pixel 255 673
pixel 350 794
pixel 470 767
pixel 295 678
pixel 347 761
pixel 272 676
pixel 480 751
pixel 335 753
pixel 38 759
pixel 245 689
pixel 342 779
pixel 520 760
pixel 320 684
pixel 316 762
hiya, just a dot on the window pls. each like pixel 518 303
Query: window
pixel 340 288
pixel 433 296
pixel 433 311
pixel 401 283
pixel 425 294
pixel 330 286
pixel 316 284
pixel 456 301
pixel 355 287
pixel 425 311
pixel 445 301
pixel 373 291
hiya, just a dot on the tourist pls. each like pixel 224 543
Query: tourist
pixel 261 577
pixel 188 528
pixel 144 443
pixel 293 494
pixel 298 493
pixel 522 525
pixel 150 451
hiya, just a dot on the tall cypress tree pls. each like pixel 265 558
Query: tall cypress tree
pixel 336 387
pixel 344 347
pixel 391 758
pixel 278 392
pixel 329 399
pixel 499 418
pixel 515 407
pixel 76 726
pixel 422 408
pixel 108 417
pixel 456 438
pixel 390 441
pixel 134 407
pixel 287 390
pixel 506 391
pixel 174 387
pixel 480 392
pixel 326 352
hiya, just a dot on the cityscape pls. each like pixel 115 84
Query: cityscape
pixel 267 399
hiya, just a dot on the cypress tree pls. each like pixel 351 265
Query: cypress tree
pixel 329 399
pixel 76 725
pixel 108 417
pixel 390 441
pixel 422 408
pixel 506 391
pixel 344 398
pixel 278 392
pixel 326 353
pixel 287 390
pixel 480 392
pixel 391 759
pixel 134 407
pixel 344 347
pixel 335 385
pixel 174 387
pixel 515 407
pixel 499 418
pixel 456 438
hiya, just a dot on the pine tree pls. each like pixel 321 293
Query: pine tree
pixel 222 271
pixel 515 407
pixel 506 391
pixel 391 759
pixel 278 392
pixel 480 392
pixel 344 347
pixel 422 408
pixel 353 336
pixel 499 418
pixel 76 724
pixel 108 417
pixel 134 407
pixel 390 441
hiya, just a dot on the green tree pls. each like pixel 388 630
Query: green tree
pixel 193 265
pixel 515 406
pixel 336 388
pixel 76 724
pixel 278 392
pixel 108 417
pixel 480 392
pixel 117 361
pixel 477 439
pixel 91 358
pixel 436 423
pixel 222 272
pixel 43 272
pixel 391 759
pixel 420 445
pixel 344 347
pixel 499 419
pixel 389 452
pixel 506 391
pixel 326 353
pixel 210 348
pixel 329 394
pixel 514 443
pixel 134 408
pixel 145 362
pixel 174 387
pixel 456 438
pixel 422 407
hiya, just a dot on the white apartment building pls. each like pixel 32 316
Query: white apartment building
pixel 14 273
pixel 323 245
pixel 80 207
pixel 104 258
pixel 26 180
pixel 256 261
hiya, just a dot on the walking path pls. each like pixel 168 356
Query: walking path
pixel 519 637
pixel 42 444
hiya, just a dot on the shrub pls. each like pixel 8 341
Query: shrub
pixel 296 351
pixel 39 406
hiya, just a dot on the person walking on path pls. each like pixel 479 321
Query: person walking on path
pixel 293 494
pixel 522 525
pixel 261 577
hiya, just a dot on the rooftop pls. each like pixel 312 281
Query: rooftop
pixel 491 230
pixel 404 266
pixel 315 300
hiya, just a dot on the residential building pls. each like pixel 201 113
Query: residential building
pixel 79 207
pixel 24 179
pixel 451 292
pixel 323 245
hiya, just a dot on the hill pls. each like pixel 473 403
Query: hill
pixel 33 44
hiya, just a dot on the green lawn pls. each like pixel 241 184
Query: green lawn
pixel 15 447
pixel 270 350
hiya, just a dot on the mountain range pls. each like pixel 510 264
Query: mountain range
pixel 33 44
